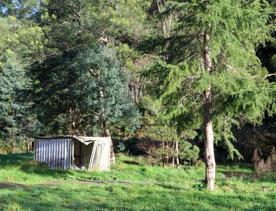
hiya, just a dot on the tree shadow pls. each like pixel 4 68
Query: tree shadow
pixel 9 160
pixel 52 197
pixel 26 164
pixel 251 177
pixel 131 162
pixel 9 185
pixel 246 172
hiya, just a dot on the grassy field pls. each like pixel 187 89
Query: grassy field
pixel 131 185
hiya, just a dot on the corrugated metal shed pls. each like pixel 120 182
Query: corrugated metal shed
pixel 79 152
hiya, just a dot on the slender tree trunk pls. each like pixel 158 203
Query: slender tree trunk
pixel 163 153
pixel 174 155
pixel 177 153
pixel 167 153
pixel 173 161
pixel 210 163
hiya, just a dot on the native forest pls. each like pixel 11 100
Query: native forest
pixel 137 105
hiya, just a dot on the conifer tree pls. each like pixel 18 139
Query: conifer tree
pixel 215 78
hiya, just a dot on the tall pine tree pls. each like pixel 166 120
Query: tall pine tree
pixel 215 78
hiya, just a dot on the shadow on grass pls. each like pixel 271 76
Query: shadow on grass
pixel 131 162
pixel 7 185
pixel 246 172
pixel 9 160
pixel 26 164
pixel 251 177
pixel 47 198
pixel 236 167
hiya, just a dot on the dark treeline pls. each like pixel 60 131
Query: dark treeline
pixel 189 74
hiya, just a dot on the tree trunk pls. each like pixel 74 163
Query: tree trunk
pixel 163 153
pixel 177 153
pixel 167 153
pixel 72 124
pixel 174 156
pixel 210 163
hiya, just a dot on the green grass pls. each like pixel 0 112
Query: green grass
pixel 131 185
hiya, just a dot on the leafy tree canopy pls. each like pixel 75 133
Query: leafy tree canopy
pixel 241 91
pixel 20 45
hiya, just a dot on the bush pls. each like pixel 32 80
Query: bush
pixel 188 152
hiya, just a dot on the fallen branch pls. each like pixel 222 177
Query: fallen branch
pixel 269 75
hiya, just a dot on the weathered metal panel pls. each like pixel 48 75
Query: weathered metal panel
pixel 37 146
pixel 63 155
pixel 40 148
pixel 57 153
pixel 37 149
pixel 46 148
pixel 56 145
pixel 72 152
pixel 51 163
pixel 64 149
pixel 59 156
pixel 53 158
pixel 69 154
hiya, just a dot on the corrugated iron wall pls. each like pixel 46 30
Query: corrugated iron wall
pixel 57 153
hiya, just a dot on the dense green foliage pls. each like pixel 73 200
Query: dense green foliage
pixel 81 84
pixel 241 91
pixel 20 43
pixel 135 68
pixel 82 93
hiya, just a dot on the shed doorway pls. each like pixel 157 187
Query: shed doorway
pixel 82 154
